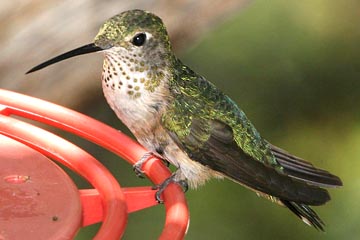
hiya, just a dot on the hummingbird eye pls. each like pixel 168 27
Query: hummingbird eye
pixel 139 39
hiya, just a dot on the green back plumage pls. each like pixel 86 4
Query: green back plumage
pixel 197 98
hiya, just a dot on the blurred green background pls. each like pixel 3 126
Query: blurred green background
pixel 294 68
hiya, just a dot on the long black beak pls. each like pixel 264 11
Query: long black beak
pixel 89 48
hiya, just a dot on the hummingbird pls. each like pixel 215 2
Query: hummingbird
pixel 186 120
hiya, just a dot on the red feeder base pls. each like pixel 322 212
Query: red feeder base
pixel 35 192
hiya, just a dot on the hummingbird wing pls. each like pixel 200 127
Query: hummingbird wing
pixel 221 153
pixel 213 131
pixel 211 143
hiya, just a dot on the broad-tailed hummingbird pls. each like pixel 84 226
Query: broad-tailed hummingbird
pixel 181 117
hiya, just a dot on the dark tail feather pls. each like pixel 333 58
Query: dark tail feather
pixel 304 171
pixel 305 213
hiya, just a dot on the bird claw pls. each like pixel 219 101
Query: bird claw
pixel 172 179
pixel 137 167
pixel 138 172
pixel 184 185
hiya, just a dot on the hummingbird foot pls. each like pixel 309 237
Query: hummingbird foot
pixel 137 167
pixel 172 179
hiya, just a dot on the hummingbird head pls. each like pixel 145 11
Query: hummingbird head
pixel 137 51
pixel 136 46
pixel 136 31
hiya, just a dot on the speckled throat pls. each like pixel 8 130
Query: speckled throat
pixel 126 74
pixel 130 73
pixel 135 81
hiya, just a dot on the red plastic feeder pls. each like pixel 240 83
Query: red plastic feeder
pixel 38 200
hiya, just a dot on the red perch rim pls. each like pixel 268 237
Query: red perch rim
pixel 111 202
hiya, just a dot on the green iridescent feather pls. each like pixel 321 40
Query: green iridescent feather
pixel 197 98
pixel 212 130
